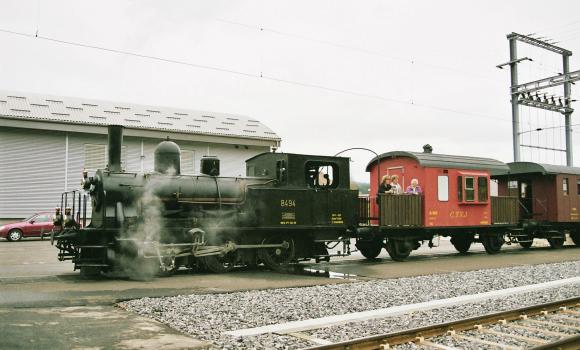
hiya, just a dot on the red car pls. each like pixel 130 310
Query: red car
pixel 36 225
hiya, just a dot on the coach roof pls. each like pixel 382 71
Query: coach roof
pixel 432 160
pixel 544 169
pixel 69 110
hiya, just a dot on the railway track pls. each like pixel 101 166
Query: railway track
pixel 554 325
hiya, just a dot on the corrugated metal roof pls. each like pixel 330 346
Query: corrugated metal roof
pixel 529 167
pixel 433 160
pixel 94 112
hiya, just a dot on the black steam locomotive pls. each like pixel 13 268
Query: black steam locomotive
pixel 289 207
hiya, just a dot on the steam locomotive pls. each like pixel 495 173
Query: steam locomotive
pixel 289 207
pixel 294 207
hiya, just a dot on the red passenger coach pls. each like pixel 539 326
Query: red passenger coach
pixel 455 201
pixel 549 197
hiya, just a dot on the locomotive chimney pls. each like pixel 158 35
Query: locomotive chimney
pixel 115 146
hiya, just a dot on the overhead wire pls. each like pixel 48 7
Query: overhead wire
pixel 408 60
pixel 541 30
pixel 251 75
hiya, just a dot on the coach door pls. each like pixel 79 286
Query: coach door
pixel 526 199
pixel 400 172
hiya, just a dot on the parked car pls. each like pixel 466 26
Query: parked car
pixel 36 225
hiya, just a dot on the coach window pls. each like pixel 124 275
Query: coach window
pixel 443 188
pixel 469 189
pixel 482 190
pixel 321 175
pixel 460 189
pixel 565 186
pixel 578 185
pixel 513 188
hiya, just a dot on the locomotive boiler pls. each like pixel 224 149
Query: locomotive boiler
pixel 289 207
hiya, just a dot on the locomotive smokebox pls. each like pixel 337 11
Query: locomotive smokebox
pixel 168 158
pixel 115 146
pixel 210 165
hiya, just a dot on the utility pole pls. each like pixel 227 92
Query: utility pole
pixel 568 112
pixel 521 94
pixel 514 98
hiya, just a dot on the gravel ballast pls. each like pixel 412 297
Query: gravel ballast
pixel 207 316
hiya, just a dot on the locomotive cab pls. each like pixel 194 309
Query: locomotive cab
pixel 307 191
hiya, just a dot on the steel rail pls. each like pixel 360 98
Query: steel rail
pixel 384 341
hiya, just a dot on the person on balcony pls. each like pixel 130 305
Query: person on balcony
pixel 414 188
pixel 385 186
pixel 395 187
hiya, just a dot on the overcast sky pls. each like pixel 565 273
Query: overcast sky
pixel 325 75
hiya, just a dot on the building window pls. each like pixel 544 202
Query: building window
pixel 443 188
pixel 482 189
pixel 187 162
pixel 321 175
pixel 469 189
pixel 565 186
pixel 95 156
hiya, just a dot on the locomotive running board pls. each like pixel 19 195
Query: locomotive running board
pixel 217 250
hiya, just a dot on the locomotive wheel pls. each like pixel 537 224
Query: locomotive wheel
pixel 575 236
pixel 277 259
pixel 14 235
pixel 462 242
pixel 492 242
pixel 527 245
pixel 556 242
pixel 399 250
pixel 219 264
pixel 370 249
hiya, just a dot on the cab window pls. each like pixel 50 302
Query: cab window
pixel 321 175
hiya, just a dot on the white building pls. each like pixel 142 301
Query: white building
pixel 46 142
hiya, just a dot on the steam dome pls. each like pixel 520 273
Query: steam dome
pixel 167 158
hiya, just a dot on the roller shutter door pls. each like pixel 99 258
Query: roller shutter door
pixel 32 171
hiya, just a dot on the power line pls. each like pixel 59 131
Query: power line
pixel 122 52
pixel 352 48
pixel 547 128
pixel 250 75
pixel 557 27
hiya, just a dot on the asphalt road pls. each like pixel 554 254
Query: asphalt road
pixel 45 305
